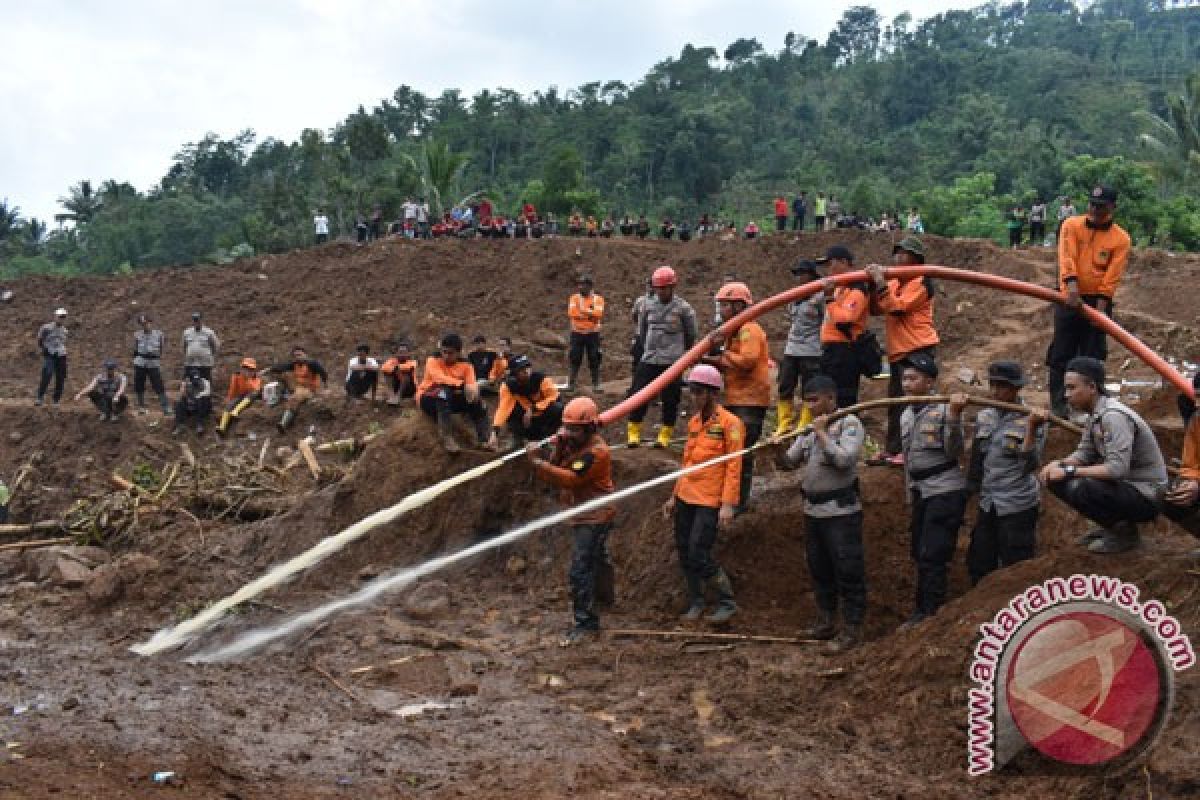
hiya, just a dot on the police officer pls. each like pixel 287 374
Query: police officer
pixel 802 353
pixel 1117 472
pixel 581 468
pixel 932 441
pixel 148 343
pixel 1003 469
pixel 667 329
pixel 704 500
pixel 833 518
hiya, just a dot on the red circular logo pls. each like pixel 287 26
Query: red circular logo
pixel 1084 688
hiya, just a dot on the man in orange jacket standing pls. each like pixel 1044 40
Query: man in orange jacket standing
pixel 581 467
pixel 704 500
pixel 907 306
pixel 781 213
pixel 585 310
pixel 846 312
pixel 744 362
pixel 1092 254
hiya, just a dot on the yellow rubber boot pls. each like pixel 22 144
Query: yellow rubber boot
pixel 785 411
pixel 664 436
pixel 805 417
pixel 633 434
pixel 223 425
pixel 242 406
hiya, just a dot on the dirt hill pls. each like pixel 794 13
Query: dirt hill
pixel 520 717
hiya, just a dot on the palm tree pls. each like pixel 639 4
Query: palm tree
pixel 439 170
pixel 1174 140
pixel 81 204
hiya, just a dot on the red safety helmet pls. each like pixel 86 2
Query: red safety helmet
pixel 736 291
pixel 706 375
pixel 663 276
pixel 580 411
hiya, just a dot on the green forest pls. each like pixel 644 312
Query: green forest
pixel 963 115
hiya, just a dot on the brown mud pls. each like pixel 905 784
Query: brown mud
pixel 512 715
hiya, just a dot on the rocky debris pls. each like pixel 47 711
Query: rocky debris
pixel 63 566
pixel 429 600
pixel 107 583
pixel 550 339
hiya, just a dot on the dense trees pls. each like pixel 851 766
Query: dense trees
pixel 963 113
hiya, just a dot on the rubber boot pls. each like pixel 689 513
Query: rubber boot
pixel 695 607
pixel 572 378
pixel 785 411
pixel 664 436
pixel 804 418
pixel 141 402
pixel 633 434
pixel 822 628
pixel 286 420
pixel 847 639
pixel 1055 385
pixel 445 432
pixel 726 607
pixel 223 425
pixel 595 378
pixel 483 432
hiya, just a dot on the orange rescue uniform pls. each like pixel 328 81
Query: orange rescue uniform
pixel 581 475
pixel 745 365
pixel 397 367
pixel 439 373
pixel 908 317
pixel 240 386
pixel 1190 466
pixel 585 313
pixel 543 398
pixel 719 484
pixel 1095 258
pixel 846 312
pixel 499 367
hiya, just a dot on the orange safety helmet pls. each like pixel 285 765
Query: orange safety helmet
pixel 735 291
pixel 706 375
pixel 249 363
pixel 663 276
pixel 581 411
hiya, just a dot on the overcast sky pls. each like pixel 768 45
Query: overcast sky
pixel 112 90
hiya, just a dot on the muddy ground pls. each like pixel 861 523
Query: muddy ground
pixel 513 715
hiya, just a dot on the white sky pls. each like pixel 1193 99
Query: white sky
pixel 113 90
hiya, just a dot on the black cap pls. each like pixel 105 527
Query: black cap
pixel 1090 368
pixel 585 279
pixel 1103 194
pixel 519 362
pixel 1006 372
pixel 110 363
pixel 195 315
pixel 839 251
pixel 809 266
pixel 819 384
pixel 923 363
pixel 363 348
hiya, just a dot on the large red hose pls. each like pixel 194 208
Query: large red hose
pixel 1128 340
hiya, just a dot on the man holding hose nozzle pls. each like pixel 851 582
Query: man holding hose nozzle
pixel 703 501
pixel 581 467
pixel 833 518
pixel 1092 253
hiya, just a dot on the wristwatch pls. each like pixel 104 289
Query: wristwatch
pixel 1069 470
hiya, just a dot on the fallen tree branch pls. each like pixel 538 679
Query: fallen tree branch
pixel 724 637
pixel 13 529
pixel 36 543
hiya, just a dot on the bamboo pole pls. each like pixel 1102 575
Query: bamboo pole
pixel 722 637
pixel 30 527
pixel 35 543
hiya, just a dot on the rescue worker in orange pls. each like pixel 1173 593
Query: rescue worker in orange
pixel 500 365
pixel 704 501
pixel 400 372
pixel 585 311
pixel 846 312
pixel 449 387
pixel 303 377
pixel 907 309
pixel 244 388
pixel 1092 254
pixel 744 362
pixel 1181 504
pixel 581 467
pixel 528 405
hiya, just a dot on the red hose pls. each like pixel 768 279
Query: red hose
pixel 1128 340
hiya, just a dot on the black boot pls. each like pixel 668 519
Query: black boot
pixel 595 378
pixel 695 607
pixel 847 639
pixel 1056 387
pixel 572 378
pixel 286 420
pixel 726 607
pixel 822 628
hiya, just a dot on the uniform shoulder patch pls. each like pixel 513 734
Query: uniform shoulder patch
pixel 583 463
